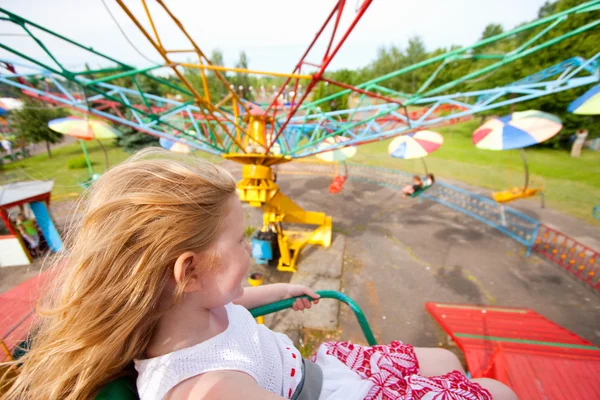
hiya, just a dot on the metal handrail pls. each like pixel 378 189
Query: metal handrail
pixel 325 294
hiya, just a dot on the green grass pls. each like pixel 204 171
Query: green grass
pixel 65 180
pixel 572 185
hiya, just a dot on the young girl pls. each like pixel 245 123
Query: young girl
pixel 410 189
pixel 154 274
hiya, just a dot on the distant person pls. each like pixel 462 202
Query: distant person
pixel 7 145
pixel 29 232
pixel 410 189
pixel 578 143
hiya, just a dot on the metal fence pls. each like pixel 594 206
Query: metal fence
pixel 514 224
pixel 573 256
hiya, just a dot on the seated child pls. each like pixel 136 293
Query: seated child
pixel 29 233
pixel 410 189
pixel 154 274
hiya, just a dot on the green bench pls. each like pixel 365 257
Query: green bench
pixel 417 193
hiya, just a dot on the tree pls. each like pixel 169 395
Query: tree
pixel 132 140
pixel 415 52
pixel 547 9
pixel 32 120
pixel 216 87
pixel 491 30
pixel 241 78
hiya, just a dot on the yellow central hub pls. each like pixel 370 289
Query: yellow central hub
pixel 258 189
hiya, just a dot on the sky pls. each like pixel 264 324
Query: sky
pixel 274 33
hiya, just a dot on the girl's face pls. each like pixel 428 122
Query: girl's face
pixel 224 283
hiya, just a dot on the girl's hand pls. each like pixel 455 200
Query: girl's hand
pixel 292 290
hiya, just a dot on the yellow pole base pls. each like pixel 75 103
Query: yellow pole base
pixel 255 279
pixel 258 189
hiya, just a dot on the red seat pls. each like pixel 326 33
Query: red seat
pixel 537 358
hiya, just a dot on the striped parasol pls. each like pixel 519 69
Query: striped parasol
pixel 415 145
pixel 588 103
pixel 82 128
pixel 517 130
pixel 335 155
pixel 3 109
pixel 85 129
pixel 174 146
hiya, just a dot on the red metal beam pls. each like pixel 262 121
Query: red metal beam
pixel 365 92
pixel 326 59
pixel 337 22
pixel 299 64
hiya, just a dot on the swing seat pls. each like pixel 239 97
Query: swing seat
pixel 515 194
pixel 337 184
pixel 417 193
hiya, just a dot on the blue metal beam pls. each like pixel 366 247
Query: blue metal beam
pixel 358 125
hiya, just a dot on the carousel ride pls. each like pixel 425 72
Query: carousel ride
pixel 223 122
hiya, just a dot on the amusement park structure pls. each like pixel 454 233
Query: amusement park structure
pixel 261 137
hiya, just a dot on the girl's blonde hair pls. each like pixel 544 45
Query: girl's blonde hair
pixel 138 218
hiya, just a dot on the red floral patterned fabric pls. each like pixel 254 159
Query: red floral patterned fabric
pixel 394 371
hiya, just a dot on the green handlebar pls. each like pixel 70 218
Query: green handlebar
pixel 325 294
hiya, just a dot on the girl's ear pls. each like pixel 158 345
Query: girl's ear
pixel 186 271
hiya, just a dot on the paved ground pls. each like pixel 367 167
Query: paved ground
pixel 400 254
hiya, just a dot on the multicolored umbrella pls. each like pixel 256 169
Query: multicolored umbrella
pixel 588 103
pixel 3 109
pixel 517 130
pixel 85 129
pixel 174 146
pixel 415 145
pixel 335 155
pixel 82 128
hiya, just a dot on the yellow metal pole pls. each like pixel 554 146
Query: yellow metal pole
pixel 193 43
pixel 199 99
pixel 235 115
pixel 245 70
pixel 255 279
pixel 6 350
pixel 181 51
pixel 204 83
pixel 152 24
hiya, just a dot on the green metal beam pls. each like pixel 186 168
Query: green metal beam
pixel 582 7
pixel 99 71
pixel 122 75
pixel 506 60
pixel 527 341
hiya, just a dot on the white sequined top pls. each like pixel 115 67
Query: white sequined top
pixel 268 357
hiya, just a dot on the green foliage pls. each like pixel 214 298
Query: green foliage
pixel 492 30
pixel 31 122
pixel 132 140
pixel 395 58
pixel 217 89
pixel 242 79
pixel 77 162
